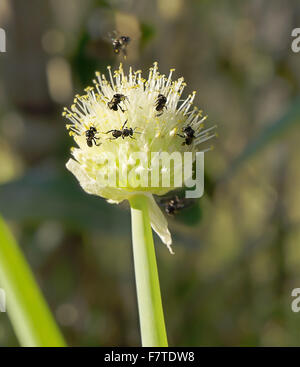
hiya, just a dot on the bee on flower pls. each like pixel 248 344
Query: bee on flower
pixel 156 120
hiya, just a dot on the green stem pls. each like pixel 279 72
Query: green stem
pixel 151 315
pixel 26 307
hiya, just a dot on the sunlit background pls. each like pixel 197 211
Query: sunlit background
pixel 238 249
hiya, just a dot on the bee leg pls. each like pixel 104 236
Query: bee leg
pixel 110 131
pixel 95 142
pixel 159 114
pixel 180 135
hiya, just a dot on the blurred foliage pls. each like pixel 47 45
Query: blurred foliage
pixel 270 132
pixel 62 198
pixel 148 32
pixel 237 249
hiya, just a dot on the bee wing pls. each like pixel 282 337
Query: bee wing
pixel 107 37
pixel 113 35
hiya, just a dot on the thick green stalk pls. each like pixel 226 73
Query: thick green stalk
pixel 151 315
pixel 26 307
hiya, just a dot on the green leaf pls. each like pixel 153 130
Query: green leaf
pixel 27 309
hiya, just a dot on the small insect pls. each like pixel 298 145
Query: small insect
pixel 175 204
pixel 119 43
pixel 90 136
pixel 188 135
pixel 114 104
pixel 160 104
pixel 124 132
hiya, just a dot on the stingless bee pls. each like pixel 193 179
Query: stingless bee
pixel 188 135
pixel 90 136
pixel 119 43
pixel 114 104
pixel 160 104
pixel 124 132
pixel 175 204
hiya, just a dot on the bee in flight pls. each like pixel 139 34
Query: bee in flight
pixel 188 135
pixel 124 132
pixel 114 104
pixel 174 204
pixel 119 43
pixel 160 104
pixel 90 136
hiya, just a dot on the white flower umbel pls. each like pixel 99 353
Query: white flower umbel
pixel 153 131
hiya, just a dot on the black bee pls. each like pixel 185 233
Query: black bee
pixel 90 136
pixel 160 103
pixel 188 135
pixel 175 204
pixel 119 43
pixel 114 104
pixel 124 132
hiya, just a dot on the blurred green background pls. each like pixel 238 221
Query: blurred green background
pixel 238 250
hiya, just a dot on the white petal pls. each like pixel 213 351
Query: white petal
pixel 79 172
pixel 159 223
